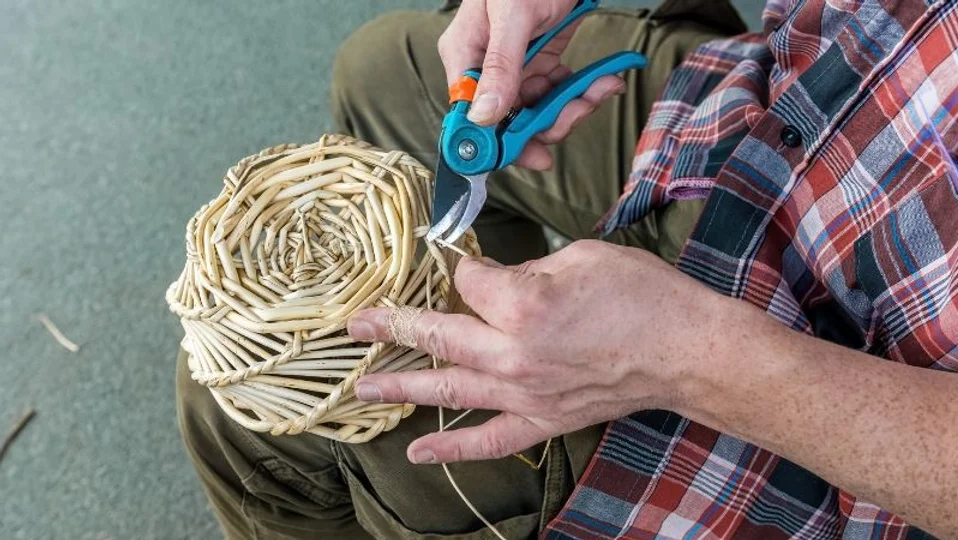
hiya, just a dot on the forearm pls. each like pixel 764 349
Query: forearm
pixel 883 431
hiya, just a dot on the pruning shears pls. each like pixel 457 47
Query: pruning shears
pixel 469 152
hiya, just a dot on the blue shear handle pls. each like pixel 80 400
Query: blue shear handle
pixel 580 9
pixel 543 115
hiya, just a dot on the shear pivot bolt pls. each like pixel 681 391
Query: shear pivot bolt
pixel 467 150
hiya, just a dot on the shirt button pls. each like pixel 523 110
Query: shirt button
pixel 791 137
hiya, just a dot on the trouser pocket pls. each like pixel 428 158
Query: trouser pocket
pixel 381 523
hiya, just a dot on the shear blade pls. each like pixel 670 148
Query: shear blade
pixel 456 202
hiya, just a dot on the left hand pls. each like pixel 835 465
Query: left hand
pixel 589 334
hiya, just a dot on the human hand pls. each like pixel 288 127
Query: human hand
pixel 494 34
pixel 589 334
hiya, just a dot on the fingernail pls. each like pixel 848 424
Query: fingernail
pixel 423 456
pixel 360 329
pixel 483 108
pixel 368 392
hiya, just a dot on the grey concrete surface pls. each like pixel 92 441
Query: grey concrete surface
pixel 117 120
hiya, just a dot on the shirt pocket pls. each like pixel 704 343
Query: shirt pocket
pixel 381 523
pixel 906 264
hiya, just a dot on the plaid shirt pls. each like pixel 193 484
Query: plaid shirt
pixel 824 147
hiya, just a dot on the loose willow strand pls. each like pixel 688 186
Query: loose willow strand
pixel 57 334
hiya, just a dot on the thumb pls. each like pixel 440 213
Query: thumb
pixel 463 44
pixel 498 89
pixel 505 434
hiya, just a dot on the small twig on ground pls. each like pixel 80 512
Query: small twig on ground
pixel 56 333
pixel 17 428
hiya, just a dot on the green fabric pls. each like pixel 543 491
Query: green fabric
pixel 389 89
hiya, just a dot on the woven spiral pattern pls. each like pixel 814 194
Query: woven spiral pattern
pixel 299 239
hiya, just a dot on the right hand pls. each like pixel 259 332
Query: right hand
pixel 494 34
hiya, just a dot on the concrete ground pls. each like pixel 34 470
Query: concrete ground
pixel 117 121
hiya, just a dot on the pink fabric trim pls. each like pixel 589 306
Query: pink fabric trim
pixel 685 189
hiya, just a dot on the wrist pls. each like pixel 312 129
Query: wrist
pixel 732 351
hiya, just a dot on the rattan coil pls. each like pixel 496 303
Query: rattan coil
pixel 300 238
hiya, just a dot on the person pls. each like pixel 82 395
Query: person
pixel 261 486
pixel 770 329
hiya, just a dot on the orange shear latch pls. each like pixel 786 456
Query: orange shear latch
pixel 463 90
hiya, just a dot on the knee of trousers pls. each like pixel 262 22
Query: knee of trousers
pixel 213 442
pixel 367 65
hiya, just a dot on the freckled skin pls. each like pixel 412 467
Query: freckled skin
pixel 596 332
pixel 883 431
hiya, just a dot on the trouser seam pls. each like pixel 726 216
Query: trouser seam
pixel 249 519
pixel 426 104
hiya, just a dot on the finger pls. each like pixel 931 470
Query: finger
pixel 561 41
pixel 559 74
pixel 500 437
pixel 535 156
pixel 534 87
pixel 578 109
pixel 491 291
pixel 572 114
pixel 454 388
pixel 462 45
pixel 498 89
pixel 457 338
pixel 550 55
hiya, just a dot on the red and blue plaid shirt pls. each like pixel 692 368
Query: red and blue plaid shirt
pixel 825 148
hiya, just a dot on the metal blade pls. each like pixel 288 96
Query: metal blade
pixel 456 202
pixel 473 205
pixel 450 189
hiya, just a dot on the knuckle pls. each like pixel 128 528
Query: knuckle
pixel 525 268
pixel 402 395
pixel 584 247
pixel 532 304
pixel 541 296
pixel 463 278
pixel 493 447
pixel 516 369
pixel 499 65
pixel 448 395
pixel 444 44
pixel 579 246
pixel 517 363
pixel 394 392
pixel 432 341
pixel 553 135
pixel 456 452
pixel 521 313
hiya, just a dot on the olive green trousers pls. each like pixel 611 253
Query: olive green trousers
pixel 389 88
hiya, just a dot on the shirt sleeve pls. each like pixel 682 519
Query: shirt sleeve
pixel 709 103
